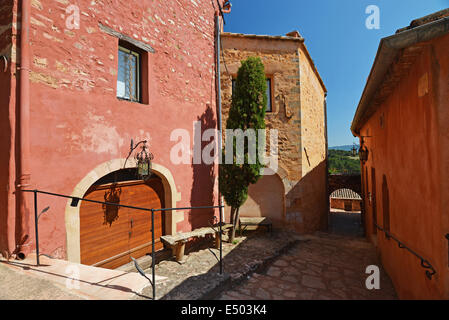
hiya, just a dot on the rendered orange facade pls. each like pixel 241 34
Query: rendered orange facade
pixel 404 125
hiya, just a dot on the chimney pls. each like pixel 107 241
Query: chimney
pixel 294 34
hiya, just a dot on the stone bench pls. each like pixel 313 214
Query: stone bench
pixel 255 221
pixel 178 241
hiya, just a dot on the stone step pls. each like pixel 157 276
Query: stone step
pixel 145 262
pixel 84 281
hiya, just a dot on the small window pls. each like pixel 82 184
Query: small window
pixel 269 105
pixel 128 75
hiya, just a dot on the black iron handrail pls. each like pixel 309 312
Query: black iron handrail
pixel 424 263
pixel 75 201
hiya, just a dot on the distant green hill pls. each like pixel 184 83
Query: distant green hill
pixel 343 162
pixel 347 147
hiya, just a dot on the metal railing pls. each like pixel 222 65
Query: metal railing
pixel 75 201
pixel 424 263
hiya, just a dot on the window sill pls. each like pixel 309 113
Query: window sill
pixel 132 101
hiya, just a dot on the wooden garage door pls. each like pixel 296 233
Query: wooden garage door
pixel 109 237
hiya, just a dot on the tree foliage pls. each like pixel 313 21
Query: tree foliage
pixel 343 162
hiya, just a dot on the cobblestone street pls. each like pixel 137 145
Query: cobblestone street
pixel 326 266
pixel 198 276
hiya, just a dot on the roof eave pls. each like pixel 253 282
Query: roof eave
pixel 386 53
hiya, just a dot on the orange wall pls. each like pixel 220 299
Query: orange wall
pixel 408 151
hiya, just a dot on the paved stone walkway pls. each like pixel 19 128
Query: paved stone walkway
pixel 327 266
pixel 198 276
pixel 15 285
pixel 346 223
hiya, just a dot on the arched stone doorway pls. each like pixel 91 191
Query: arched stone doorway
pixel 72 214
pixel 111 235
pixel 345 199
pixel 345 212
pixel 266 198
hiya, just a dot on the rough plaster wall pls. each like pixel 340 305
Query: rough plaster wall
pixel 307 200
pixel 283 67
pixel 84 59
pixel 408 149
pixel 78 123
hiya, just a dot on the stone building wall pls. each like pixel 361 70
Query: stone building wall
pixel 281 64
pixel 297 113
pixel 307 201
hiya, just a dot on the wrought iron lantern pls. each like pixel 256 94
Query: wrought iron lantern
pixel 363 154
pixel 143 161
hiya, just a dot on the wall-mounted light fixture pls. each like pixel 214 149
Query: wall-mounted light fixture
pixel 143 160
pixel 363 151
pixel 363 154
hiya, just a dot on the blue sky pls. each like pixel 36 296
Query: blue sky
pixel 336 36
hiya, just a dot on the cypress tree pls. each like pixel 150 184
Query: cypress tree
pixel 247 112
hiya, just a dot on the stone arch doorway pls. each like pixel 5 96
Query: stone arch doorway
pixel 345 212
pixel 72 214
pixel 111 235
pixel 346 200
pixel 266 198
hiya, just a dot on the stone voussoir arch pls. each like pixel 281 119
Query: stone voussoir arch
pixel 72 214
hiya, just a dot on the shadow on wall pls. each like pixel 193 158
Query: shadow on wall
pixel 307 202
pixel 6 240
pixel 203 179
pixel 265 199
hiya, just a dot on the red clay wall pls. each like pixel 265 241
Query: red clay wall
pixel 410 169
pixel 7 98
pixel 341 204
pixel 78 123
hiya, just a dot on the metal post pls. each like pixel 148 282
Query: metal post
pixel 221 245
pixel 153 261
pixel 36 228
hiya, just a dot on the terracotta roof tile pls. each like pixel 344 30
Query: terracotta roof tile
pixel 345 194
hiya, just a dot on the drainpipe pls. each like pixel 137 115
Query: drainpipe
pixel 219 121
pixel 23 171
pixel 220 141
